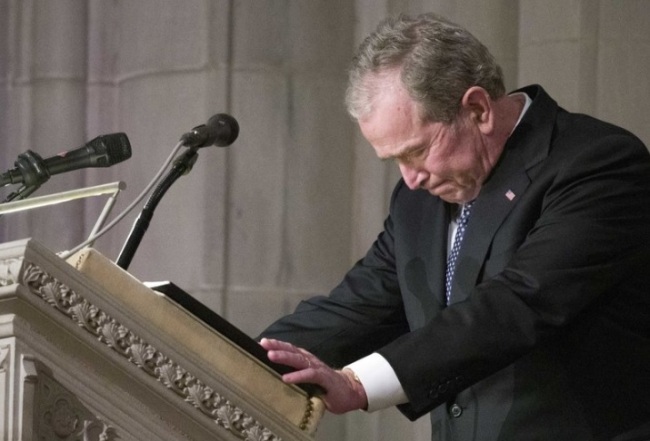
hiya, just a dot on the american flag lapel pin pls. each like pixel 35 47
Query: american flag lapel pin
pixel 510 195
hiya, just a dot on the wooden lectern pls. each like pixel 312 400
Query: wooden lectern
pixel 89 353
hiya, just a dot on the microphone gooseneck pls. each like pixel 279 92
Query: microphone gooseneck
pixel 182 165
pixel 221 130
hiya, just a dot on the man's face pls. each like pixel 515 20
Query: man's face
pixel 447 160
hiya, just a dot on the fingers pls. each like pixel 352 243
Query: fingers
pixel 340 393
pixel 269 343
pixel 306 364
pixel 285 353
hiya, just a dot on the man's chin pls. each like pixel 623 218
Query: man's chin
pixel 453 196
pixel 447 197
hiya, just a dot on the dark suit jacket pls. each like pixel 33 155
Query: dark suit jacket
pixel 547 336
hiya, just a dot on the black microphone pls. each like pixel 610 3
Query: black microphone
pixel 221 130
pixel 103 151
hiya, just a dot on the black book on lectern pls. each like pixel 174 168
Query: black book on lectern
pixel 224 327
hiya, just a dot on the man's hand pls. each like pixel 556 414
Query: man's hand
pixel 343 392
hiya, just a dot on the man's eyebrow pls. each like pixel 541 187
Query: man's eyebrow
pixel 404 153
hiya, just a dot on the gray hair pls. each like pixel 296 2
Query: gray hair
pixel 437 62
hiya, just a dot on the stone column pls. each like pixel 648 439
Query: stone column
pixel 623 61
pixel 558 49
pixel 291 174
pixel 592 56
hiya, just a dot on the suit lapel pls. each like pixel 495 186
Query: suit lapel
pixel 498 197
pixel 441 233
pixel 527 147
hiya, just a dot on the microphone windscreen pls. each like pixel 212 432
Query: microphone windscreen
pixel 224 128
pixel 116 146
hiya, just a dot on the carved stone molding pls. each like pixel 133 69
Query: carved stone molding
pixel 4 358
pixel 9 269
pixel 149 359
pixel 58 413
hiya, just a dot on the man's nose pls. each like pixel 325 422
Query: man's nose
pixel 413 176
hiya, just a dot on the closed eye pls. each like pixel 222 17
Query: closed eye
pixel 411 154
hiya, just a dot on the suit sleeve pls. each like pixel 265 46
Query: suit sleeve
pixel 363 313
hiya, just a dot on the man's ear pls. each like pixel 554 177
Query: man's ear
pixel 477 104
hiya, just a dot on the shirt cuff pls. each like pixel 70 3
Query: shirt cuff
pixel 378 379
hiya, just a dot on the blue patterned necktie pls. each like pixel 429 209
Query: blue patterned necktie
pixel 453 254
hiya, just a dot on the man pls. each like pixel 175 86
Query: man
pixel 538 327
